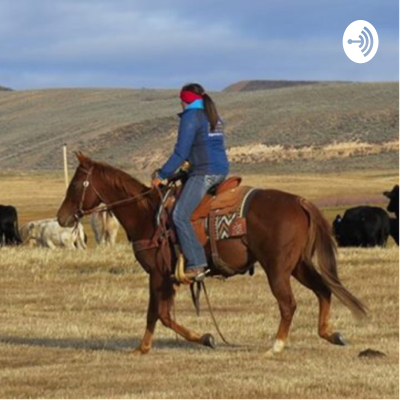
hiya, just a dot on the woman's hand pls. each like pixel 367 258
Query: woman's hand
pixel 155 182
pixel 155 179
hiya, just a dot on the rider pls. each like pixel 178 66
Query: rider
pixel 201 142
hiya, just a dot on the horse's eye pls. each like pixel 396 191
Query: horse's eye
pixel 75 185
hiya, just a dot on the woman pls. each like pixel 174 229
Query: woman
pixel 201 142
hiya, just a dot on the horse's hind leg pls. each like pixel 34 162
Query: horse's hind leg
pixel 310 278
pixel 282 290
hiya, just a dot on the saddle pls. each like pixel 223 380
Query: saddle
pixel 213 199
pixel 219 216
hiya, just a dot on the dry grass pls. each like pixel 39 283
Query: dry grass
pixel 258 153
pixel 70 319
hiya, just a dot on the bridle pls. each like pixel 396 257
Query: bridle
pixel 107 207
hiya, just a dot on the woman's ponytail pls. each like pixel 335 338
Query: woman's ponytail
pixel 209 106
pixel 211 111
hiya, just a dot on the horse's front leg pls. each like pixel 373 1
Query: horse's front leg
pixel 160 306
pixel 191 336
pixel 166 303
pixel 152 317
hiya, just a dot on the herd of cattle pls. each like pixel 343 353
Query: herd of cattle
pixel 362 226
pixel 48 233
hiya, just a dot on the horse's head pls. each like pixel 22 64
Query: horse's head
pixel 80 195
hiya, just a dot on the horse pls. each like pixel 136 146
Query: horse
pixel 105 228
pixel 284 232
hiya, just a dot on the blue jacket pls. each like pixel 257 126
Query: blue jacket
pixel 204 150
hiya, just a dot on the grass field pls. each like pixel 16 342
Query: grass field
pixel 69 320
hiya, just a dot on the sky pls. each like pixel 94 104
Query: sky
pixel 167 43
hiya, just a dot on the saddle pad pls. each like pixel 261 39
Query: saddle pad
pixel 225 223
pixel 232 223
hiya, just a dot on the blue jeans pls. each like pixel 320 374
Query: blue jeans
pixel 193 192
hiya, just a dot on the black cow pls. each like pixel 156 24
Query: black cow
pixel 393 207
pixel 394 229
pixel 9 232
pixel 393 196
pixel 362 226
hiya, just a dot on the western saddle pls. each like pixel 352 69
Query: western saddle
pixel 219 216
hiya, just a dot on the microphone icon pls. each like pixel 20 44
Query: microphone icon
pixel 360 41
pixel 365 38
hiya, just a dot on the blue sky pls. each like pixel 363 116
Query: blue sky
pixel 166 43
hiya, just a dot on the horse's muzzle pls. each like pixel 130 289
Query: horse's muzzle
pixel 67 221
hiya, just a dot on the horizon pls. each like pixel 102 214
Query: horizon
pixel 212 90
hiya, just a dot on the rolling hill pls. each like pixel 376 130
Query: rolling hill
pixel 314 127
pixel 243 86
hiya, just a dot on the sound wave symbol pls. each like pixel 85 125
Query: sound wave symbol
pixel 365 38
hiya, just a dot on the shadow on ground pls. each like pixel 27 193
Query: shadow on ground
pixel 107 345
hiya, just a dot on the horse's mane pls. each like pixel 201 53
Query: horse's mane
pixel 119 179
pixel 122 181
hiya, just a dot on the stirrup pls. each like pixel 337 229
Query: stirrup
pixel 181 277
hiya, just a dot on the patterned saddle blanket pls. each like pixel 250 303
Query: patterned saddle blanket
pixel 224 215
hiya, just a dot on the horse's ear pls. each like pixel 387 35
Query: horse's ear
pixel 83 160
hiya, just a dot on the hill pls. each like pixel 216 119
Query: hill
pixel 5 88
pixel 314 127
pixel 243 86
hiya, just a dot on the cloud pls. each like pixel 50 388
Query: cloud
pixel 71 43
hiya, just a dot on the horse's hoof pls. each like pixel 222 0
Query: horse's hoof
pixel 139 351
pixel 269 353
pixel 337 338
pixel 208 340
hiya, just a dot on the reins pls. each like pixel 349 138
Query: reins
pixel 107 207
pixel 213 316
pixel 112 206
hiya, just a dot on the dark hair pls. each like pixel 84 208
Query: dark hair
pixel 209 106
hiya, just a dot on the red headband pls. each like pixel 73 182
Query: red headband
pixel 189 97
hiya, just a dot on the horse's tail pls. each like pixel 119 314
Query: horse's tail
pixel 321 242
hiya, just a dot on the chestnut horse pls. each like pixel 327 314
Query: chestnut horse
pixel 283 233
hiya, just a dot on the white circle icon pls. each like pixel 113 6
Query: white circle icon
pixel 360 41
